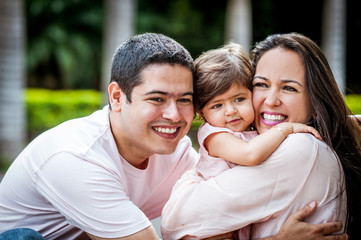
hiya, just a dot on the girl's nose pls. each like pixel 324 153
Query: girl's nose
pixel 230 110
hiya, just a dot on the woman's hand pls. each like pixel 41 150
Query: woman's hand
pixel 294 228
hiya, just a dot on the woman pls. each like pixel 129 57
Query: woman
pixel 294 83
pixel 330 115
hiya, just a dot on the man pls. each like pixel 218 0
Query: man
pixel 104 176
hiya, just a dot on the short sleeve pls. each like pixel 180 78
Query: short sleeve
pixel 90 197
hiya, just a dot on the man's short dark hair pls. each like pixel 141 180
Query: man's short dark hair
pixel 142 50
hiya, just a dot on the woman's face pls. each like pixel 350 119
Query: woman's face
pixel 280 93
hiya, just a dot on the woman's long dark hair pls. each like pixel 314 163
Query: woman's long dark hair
pixel 332 116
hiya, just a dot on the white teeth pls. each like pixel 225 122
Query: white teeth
pixel 165 130
pixel 272 117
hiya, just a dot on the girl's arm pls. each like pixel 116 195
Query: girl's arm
pixel 229 147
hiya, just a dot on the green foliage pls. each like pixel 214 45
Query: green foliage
pixel 48 108
pixel 64 43
pixel 353 101
pixel 198 25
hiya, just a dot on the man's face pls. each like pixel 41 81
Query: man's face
pixel 159 116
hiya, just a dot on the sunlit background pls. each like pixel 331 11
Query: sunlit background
pixel 55 55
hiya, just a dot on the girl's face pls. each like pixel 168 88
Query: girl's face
pixel 232 109
pixel 280 93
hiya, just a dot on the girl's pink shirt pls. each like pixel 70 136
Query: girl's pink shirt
pixel 209 166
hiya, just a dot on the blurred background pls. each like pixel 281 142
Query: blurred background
pixel 55 55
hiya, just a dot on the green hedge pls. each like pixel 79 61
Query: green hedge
pixel 48 108
pixel 353 101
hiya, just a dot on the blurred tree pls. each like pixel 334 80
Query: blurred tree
pixel 198 25
pixel 12 54
pixel 278 16
pixel 353 52
pixel 119 25
pixel 239 22
pixel 65 37
pixel 64 43
pixel 334 39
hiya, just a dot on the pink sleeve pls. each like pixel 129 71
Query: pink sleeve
pixel 241 195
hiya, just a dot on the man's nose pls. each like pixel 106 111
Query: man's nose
pixel 171 112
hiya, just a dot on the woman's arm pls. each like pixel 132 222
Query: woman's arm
pixel 227 146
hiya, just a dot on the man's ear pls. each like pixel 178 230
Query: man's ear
pixel 116 96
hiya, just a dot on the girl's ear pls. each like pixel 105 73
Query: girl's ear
pixel 116 96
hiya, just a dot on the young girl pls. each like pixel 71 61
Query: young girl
pixel 223 99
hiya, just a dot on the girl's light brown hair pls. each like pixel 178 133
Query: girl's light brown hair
pixel 218 69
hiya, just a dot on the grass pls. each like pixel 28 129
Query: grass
pixel 353 101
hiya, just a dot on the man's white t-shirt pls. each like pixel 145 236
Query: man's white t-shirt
pixel 71 179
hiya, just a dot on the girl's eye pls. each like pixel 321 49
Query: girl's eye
pixel 239 99
pixel 216 106
pixel 289 88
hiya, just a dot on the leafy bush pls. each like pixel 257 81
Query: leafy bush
pixel 48 108
pixel 353 101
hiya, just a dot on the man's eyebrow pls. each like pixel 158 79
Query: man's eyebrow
pixel 166 93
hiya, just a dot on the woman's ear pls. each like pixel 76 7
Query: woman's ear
pixel 116 96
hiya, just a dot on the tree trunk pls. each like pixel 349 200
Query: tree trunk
pixel 12 76
pixel 334 39
pixel 119 25
pixel 239 22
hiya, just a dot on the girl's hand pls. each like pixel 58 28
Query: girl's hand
pixel 288 128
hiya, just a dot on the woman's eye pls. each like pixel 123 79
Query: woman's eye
pixel 289 88
pixel 259 85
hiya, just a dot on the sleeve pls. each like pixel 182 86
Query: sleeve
pixel 206 129
pixel 89 196
pixel 240 196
